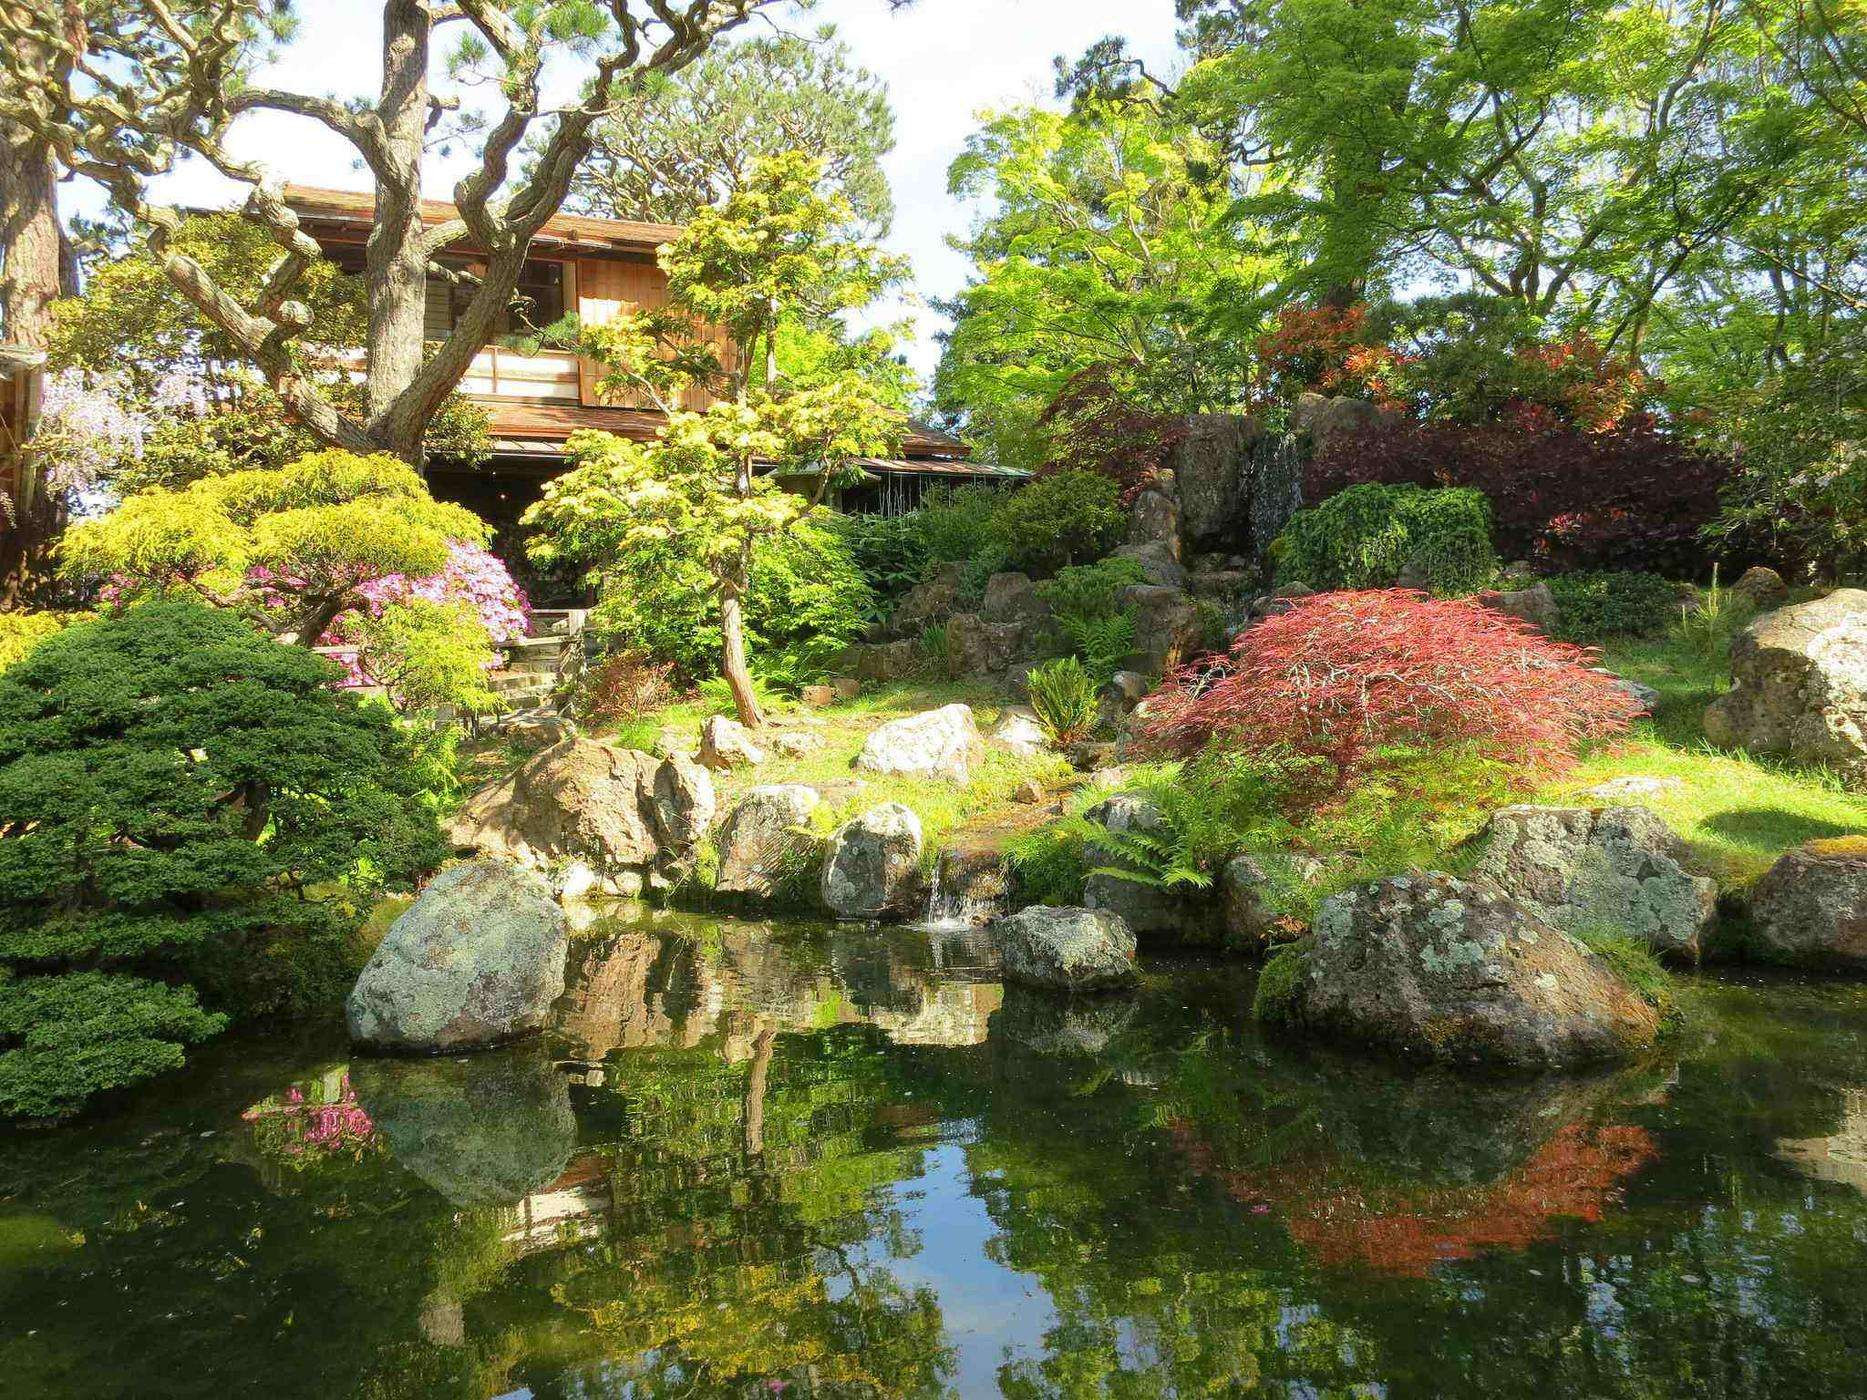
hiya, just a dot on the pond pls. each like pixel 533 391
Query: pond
pixel 755 1160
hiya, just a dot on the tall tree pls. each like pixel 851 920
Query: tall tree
pixel 123 102
pixel 685 141
pixel 779 251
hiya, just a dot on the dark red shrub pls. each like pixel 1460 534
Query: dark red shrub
pixel 1343 675
pixel 1632 498
pixel 1093 426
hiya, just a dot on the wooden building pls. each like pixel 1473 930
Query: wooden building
pixel 537 398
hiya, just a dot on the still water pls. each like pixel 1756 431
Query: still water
pixel 758 1161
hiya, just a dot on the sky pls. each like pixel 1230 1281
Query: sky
pixel 943 61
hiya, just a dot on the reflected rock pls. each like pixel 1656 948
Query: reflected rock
pixel 1399 1174
pixel 1842 1155
pixel 484 1131
pixel 1049 1025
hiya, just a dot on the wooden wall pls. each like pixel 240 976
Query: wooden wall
pixel 605 287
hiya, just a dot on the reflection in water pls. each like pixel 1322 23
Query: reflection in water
pixel 757 1160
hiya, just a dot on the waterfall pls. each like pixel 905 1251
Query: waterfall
pixel 1276 477
pixel 967 889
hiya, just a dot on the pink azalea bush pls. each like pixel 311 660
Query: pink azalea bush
pixel 474 575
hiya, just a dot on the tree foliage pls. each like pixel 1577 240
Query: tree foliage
pixel 684 142
pixel 293 546
pixel 1343 681
pixel 178 790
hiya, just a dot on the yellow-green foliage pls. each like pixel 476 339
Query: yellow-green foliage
pixel 306 535
pixel 20 632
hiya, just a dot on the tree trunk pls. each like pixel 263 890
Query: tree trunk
pixel 733 652
pixel 396 256
pixel 34 266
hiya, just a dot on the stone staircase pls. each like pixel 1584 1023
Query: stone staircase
pixel 535 662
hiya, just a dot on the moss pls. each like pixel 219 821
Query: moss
pixel 1634 962
pixel 1279 981
pixel 1839 848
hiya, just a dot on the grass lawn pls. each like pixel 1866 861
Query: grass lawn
pixel 1739 813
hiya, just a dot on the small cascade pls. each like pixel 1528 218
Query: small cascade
pixel 1276 476
pixel 968 889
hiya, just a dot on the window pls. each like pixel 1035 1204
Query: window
pixel 537 300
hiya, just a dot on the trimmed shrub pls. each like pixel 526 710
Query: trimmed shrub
pixel 1613 603
pixel 1630 498
pixel 1064 698
pixel 175 788
pixel 1343 678
pixel 1060 520
pixel 1375 536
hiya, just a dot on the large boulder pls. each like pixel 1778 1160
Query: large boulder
pixel 1018 730
pixel 1158 563
pixel 976 647
pixel 883 661
pixel 1799 684
pixel 1810 910
pixel 1212 473
pixel 1154 519
pixel 942 743
pixel 1437 968
pixel 1069 950
pixel 1322 417
pixel 1535 605
pixel 1620 870
pixel 1166 628
pixel 476 960
pixel 871 868
pixel 486 1131
pixel 767 849
pixel 589 814
pixel 726 744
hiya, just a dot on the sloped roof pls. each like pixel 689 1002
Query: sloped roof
pixel 358 210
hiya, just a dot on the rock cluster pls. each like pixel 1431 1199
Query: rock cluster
pixel 477 960
pixel 592 816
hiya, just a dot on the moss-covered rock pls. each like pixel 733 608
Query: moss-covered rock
pixel 1454 971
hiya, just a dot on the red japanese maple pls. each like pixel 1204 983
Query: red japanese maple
pixel 1341 676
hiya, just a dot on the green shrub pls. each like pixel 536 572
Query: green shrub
pixel 1064 698
pixel 1369 536
pixel 1099 630
pixel 1060 520
pixel 428 654
pixel 890 551
pixel 806 590
pixel 1049 865
pixel 953 525
pixel 1613 603
pixel 188 804
pixel 1709 629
